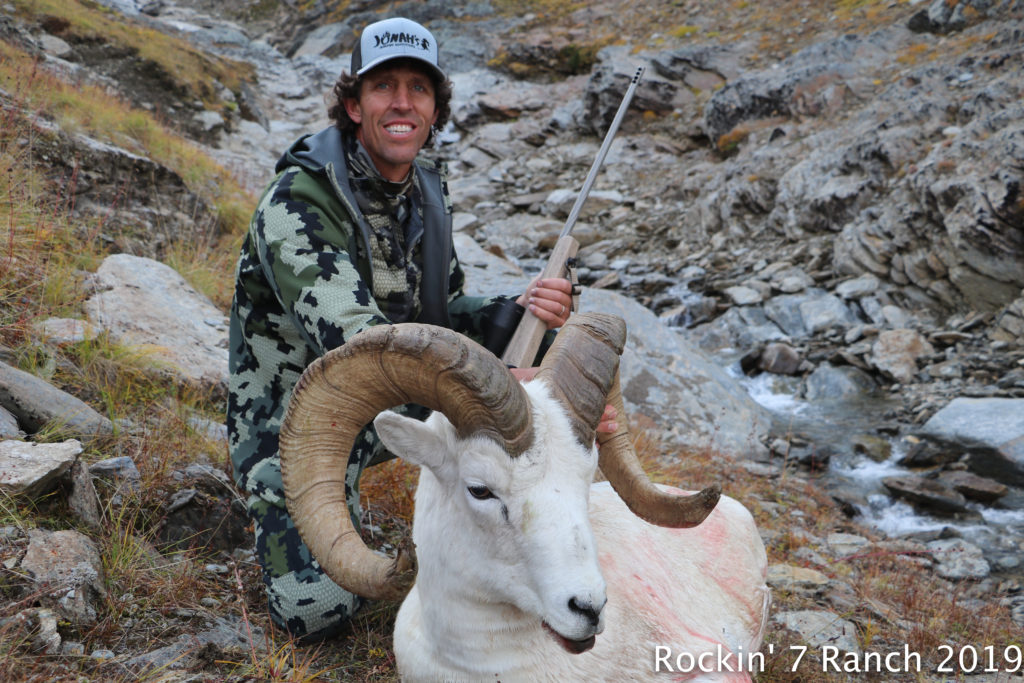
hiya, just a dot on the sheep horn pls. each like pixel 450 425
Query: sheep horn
pixel 581 367
pixel 341 392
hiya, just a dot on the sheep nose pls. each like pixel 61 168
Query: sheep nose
pixel 585 609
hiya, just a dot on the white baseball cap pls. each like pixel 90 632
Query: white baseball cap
pixel 393 39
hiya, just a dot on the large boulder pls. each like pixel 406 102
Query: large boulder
pixel 990 430
pixel 147 304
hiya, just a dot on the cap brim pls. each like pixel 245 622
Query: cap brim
pixel 403 55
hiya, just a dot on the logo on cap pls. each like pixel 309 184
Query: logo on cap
pixel 387 39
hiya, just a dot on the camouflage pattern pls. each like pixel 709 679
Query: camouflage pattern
pixel 305 283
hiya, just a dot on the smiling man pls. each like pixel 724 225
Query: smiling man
pixel 354 231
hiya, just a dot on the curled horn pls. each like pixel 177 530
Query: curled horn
pixel 344 390
pixel 581 368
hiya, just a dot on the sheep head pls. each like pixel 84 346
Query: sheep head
pixel 391 365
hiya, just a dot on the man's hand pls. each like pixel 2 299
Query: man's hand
pixel 549 299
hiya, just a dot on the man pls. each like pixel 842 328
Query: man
pixel 353 232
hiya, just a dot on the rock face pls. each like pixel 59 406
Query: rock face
pixel 146 304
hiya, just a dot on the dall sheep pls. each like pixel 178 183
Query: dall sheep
pixel 522 562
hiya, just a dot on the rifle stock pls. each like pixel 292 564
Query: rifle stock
pixel 523 346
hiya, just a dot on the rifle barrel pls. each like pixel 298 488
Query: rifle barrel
pixel 601 153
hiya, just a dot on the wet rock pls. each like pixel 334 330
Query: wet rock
pixel 32 469
pixel 957 559
pixel 66 565
pixel 927 493
pixel 36 403
pixel 928 454
pixel 830 382
pixel 780 359
pixel 974 487
pixel 877 448
pixel 147 304
pixel 818 628
pixel 895 353
pixel 991 430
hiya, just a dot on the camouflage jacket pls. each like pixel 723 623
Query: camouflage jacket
pixel 308 278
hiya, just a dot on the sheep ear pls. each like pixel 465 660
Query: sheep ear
pixel 416 442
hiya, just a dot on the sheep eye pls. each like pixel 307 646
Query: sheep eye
pixel 480 492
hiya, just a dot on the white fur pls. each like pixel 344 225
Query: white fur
pixel 492 572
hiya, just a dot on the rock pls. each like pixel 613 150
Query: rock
pixel 38 404
pixel 65 330
pixel 818 628
pixel 743 296
pixel 895 353
pixel 926 493
pixel 834 383
pixel 9 425
pixel 812 82
pixel 205 512
pixel 795 579
pixel 32 469
pixel 229 635
pixel 957 559
pixel 67 567
pixel 780 359
pixel 991 430
pixel 858 287
pixel 877 448
pixel 944 17
pixel 974 487
pixel 928 454
pixel 845 545
pixel 121 469
pixel 825 312
pixel 739 327
pixel 82 498
pixel 147 304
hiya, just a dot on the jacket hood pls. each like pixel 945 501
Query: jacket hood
pixel 313 152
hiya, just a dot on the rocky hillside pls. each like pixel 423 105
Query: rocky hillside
pixel 812 220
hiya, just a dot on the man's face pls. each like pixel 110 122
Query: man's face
pixel 394 113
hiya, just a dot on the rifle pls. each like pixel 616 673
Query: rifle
pixel 525 342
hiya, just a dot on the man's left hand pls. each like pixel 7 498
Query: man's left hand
pixel 550 299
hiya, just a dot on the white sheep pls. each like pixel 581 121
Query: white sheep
pixel 526 571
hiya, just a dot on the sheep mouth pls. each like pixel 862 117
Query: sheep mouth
pixel 573 647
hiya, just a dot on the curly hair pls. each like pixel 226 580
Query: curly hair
pixel 348 85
